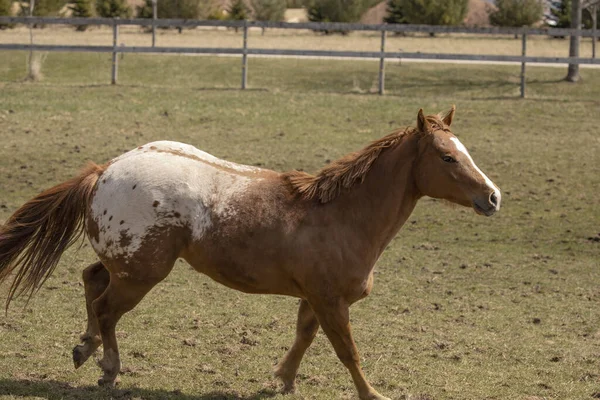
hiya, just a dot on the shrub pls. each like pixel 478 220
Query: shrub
pixel 237 11
pixel 43 8
pixel 434 12
pixel 210 9
pixel 81 9
pixel 394 13
pixel 336 11
pixel 6 10
pixel 113 9
pixel 517 13
pixel 268 10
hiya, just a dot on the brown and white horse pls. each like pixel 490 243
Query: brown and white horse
pixel 315 237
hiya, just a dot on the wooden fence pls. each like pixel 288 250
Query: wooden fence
pixel 245 51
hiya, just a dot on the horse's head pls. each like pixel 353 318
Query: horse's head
pixel 445 169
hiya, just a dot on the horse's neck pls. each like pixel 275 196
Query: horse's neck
pixel 381 204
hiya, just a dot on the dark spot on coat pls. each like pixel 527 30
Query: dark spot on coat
pixel 103 180
pixel 124 239
pixel 104 213
pixel 156 203
pixel 152 147
pixel 134 186
pixel 177 215
pixel 141 147
pixel 93 229
pixel 122 222
pixel 110 218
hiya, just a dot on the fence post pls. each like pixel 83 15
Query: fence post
pixel 245 56
pixel 31 6
pixel 523 53
pixel 115 60
pixel 382 64
pixel 595 23
pixel 154 16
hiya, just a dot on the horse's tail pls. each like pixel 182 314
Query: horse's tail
pixel 33 239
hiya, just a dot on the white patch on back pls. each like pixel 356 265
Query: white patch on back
pixel 163 184
pixel 461 147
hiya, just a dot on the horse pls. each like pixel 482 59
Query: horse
pixel 314 237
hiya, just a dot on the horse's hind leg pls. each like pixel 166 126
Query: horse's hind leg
pixel 122 295
pixel 95 282
pixel 306 330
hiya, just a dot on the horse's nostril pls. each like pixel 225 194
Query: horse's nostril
pixel 494 199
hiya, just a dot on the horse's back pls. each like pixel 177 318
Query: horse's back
pixel 162 190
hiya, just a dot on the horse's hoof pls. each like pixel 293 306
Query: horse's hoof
pixel 375 396
pixel 108 383
pixel 289 385
pixel 288 389
pixel 79 358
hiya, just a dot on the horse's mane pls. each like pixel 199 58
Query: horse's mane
pixel 343 173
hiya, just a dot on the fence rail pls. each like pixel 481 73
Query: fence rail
pixel 245 51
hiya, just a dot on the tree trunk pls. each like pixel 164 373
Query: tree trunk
pixel 573 72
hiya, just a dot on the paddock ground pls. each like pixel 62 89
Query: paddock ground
pixel 464 307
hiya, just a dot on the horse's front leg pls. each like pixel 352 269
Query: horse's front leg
pixel 334 317
pixel 306 330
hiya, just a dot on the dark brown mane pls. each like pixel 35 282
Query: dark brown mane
pixel 341 174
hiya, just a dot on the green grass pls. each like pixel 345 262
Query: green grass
pixel 464 307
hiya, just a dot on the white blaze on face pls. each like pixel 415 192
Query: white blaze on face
pixel 163 184
pixel 461 147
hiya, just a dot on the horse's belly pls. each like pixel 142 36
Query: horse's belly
pixel 244 271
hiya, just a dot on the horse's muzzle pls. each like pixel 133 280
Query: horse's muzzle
pixel 488 206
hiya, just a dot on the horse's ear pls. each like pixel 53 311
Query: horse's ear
pixel 447 119
pixel 422 124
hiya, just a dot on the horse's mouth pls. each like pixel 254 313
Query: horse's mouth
pixel 484 211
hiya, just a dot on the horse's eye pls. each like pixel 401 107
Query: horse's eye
pixel 448 159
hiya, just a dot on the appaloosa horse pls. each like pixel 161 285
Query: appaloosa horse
pixel 315 237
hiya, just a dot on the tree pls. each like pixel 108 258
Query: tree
pixel 395 13
pixel 561 14
pixel 81 9
pixel 113 9
pixel 517 13
pixel 573 70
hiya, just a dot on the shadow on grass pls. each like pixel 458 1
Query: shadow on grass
pixel 55 390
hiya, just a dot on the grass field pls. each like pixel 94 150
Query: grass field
pixel 302 39
pixel 464 307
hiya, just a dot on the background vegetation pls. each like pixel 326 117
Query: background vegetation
pixel 517 12
pixel 463 308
